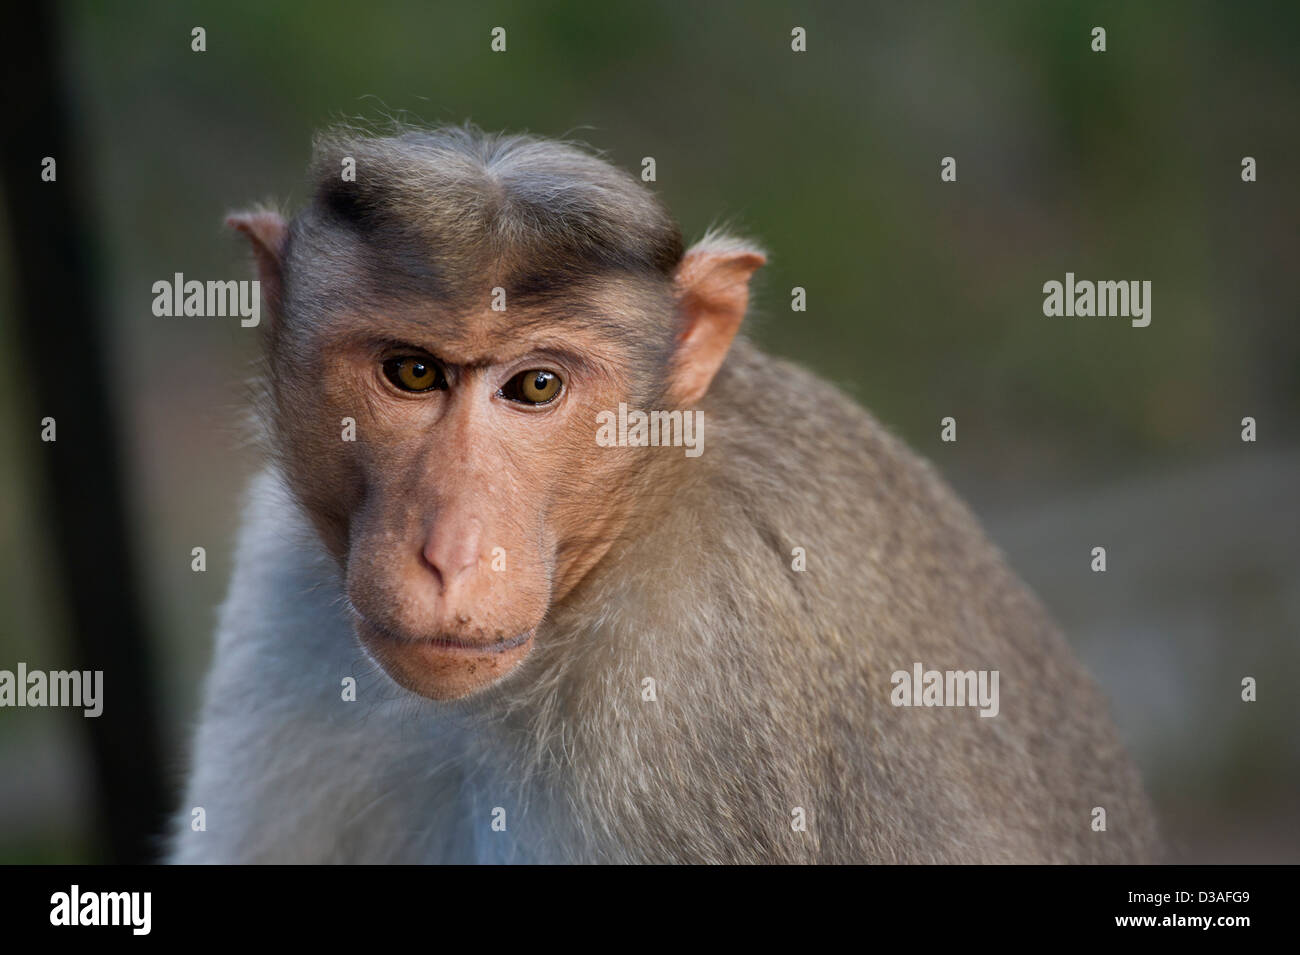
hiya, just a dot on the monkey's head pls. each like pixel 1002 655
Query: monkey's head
pixel 448 317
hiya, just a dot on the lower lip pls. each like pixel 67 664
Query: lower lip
pixel 444 668
pixel 458 646
pixel 448 645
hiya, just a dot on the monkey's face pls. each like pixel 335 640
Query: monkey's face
pixel 448 331
pixel 452 469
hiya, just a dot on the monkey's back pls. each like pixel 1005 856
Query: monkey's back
pixel 898 572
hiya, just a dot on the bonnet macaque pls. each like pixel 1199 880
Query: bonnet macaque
pixel 548 565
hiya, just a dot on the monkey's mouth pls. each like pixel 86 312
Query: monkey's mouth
pixel 469 646
pixel 443 667
pixel 449 643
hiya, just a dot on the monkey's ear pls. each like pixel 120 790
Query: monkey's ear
pixel 712 289
pixel 267 232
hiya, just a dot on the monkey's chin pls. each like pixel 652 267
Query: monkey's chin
pixel 443 668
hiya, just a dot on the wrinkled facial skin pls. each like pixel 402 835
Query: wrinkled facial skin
pixel 458 515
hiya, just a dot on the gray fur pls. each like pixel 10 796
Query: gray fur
pixel 898 572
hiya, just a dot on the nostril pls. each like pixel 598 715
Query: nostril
pixel 451 548
pixel 432 568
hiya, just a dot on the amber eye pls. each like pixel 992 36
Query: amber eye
pixel 414 374
pixel 533 387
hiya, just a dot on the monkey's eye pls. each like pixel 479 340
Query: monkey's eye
pixel 414 374
pixel 533 387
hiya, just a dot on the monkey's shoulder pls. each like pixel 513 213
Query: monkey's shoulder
pixel 799 455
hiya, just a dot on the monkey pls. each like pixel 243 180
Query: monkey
pixel 459 629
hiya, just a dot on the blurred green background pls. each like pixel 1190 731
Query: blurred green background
pixel 924 300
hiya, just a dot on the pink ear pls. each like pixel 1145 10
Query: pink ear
pixel 712 292
pixel 267 233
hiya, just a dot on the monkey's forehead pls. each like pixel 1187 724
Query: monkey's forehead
pixel 393 256
pixel 344 283
pixel 406 264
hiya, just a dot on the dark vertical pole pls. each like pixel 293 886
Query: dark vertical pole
pixel 61 329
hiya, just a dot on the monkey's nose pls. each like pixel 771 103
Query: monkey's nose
pixel 452 548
